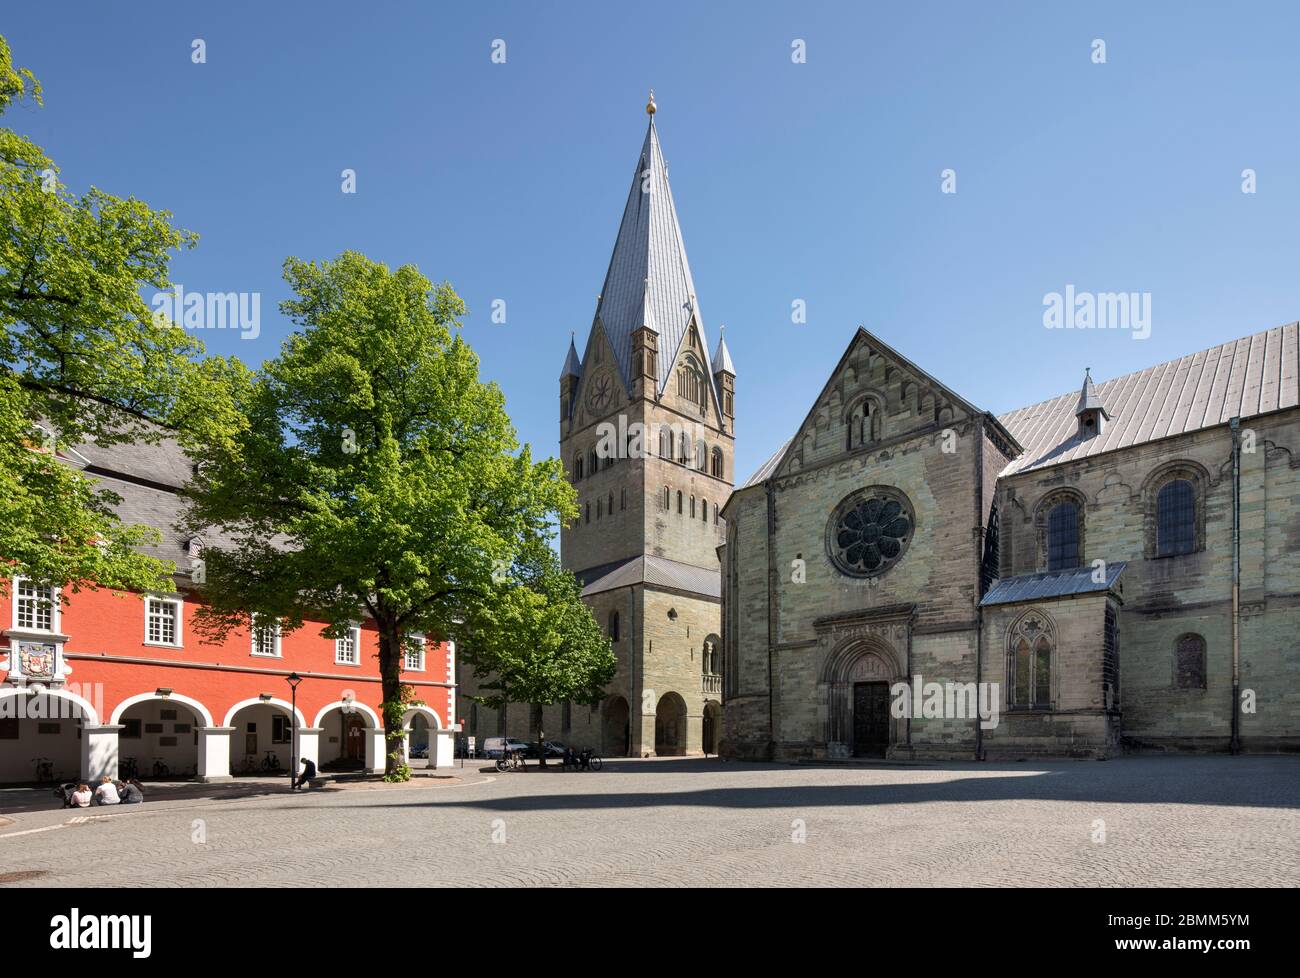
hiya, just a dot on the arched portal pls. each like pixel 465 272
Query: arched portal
pixel 615 730
pixel 42 734
pixel 856 681
pixel 263 739
pixel 160 736
pixel 712 726
pixel 342 744
pixel 670 726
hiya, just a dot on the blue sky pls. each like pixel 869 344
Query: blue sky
pixel 816 181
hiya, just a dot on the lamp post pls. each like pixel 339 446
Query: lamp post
pixel 293 679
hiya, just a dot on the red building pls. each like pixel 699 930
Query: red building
pixel 109 675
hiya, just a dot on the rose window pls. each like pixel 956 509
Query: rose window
pixel 869 532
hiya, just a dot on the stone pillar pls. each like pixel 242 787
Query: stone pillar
pixel 643 734
pixel 694 733
pixel 375 750
pixel 214 753
pixel 444 743
pixel 308 746
pixel 99 751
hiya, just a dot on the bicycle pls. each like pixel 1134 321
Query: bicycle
pixel 509 761
pixel 160 768
pixel 249 765
pixel 129 770
pixel 271 762
pixel 44 769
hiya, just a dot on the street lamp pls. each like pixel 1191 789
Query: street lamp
pixel 293 680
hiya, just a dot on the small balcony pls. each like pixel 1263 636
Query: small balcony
pixel 712 685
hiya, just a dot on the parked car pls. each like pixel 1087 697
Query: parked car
pixel 493 747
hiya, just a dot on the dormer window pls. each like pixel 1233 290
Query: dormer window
pixel 1091 412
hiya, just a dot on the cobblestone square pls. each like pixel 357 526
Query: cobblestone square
pixel 1134 821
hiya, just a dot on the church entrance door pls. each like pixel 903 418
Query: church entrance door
pixel 870 719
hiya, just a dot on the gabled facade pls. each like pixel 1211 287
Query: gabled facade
pixel 1114 567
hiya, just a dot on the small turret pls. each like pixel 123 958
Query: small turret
pixel 1092 414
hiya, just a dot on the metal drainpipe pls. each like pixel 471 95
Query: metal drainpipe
pixel 1235 743
pixel 631 666
pixel 771 610
pixel 979 575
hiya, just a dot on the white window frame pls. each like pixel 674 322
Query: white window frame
pixel 179 605
pixel 406 655
pixel 275 643
pixel 56 611
pixel 354 633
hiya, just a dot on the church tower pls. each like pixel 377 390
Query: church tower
pixel 647 427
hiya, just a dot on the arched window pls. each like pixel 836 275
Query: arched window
pixel 712 662
pixel 1029 663
pixel 622 499
pixel 600 503
pixel 690 381
pixel 692 505
pixel 684 448
pixel 1175 518
pixel 679 502
pixel 577 468
pixel 1063 536
pixel 613 626
pixel 715 469
pixel 701 455
pixel 611 502
pixel 860 423
pixel 704 510
pixel 1189 662
pixel 594 465
pixel 588 512
pixel 665 442
pixel 668 498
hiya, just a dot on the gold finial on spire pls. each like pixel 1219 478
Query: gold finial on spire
pixel 650 106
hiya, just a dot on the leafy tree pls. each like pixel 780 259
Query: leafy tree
pixel 374 471
pixel 537 642
pixel 82 356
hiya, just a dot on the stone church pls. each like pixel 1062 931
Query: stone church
pixel 647 428
pixel 1117 567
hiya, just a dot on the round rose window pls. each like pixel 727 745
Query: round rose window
pixel 869 531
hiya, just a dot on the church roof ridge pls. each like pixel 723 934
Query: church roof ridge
pixel 1254 374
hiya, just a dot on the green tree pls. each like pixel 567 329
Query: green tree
pixel 374 471
pixel 537 643
pixel 81 355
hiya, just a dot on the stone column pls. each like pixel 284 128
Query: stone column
pixel 375 750
pixel 444 742
pixel 99 751
pixel 308 746
pixel 214 753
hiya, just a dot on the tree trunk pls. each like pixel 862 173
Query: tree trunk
pixel 390 673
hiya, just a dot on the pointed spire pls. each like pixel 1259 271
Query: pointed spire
pixel 722 356
pixel 649 282
pixel 572 365
pixel 1088 397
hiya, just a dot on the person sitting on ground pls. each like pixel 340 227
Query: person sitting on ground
pixel 82 796
pixel 308 773
pixel 131 792
pixel 106 793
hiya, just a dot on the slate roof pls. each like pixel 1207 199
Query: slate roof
pixel 764 471
pixel 1253 375
pixel 649 280
pixel 722 357
pixel 163 463
pixel 652 571
pixel 1088 399
pixel 572 364
pixel 1060 584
